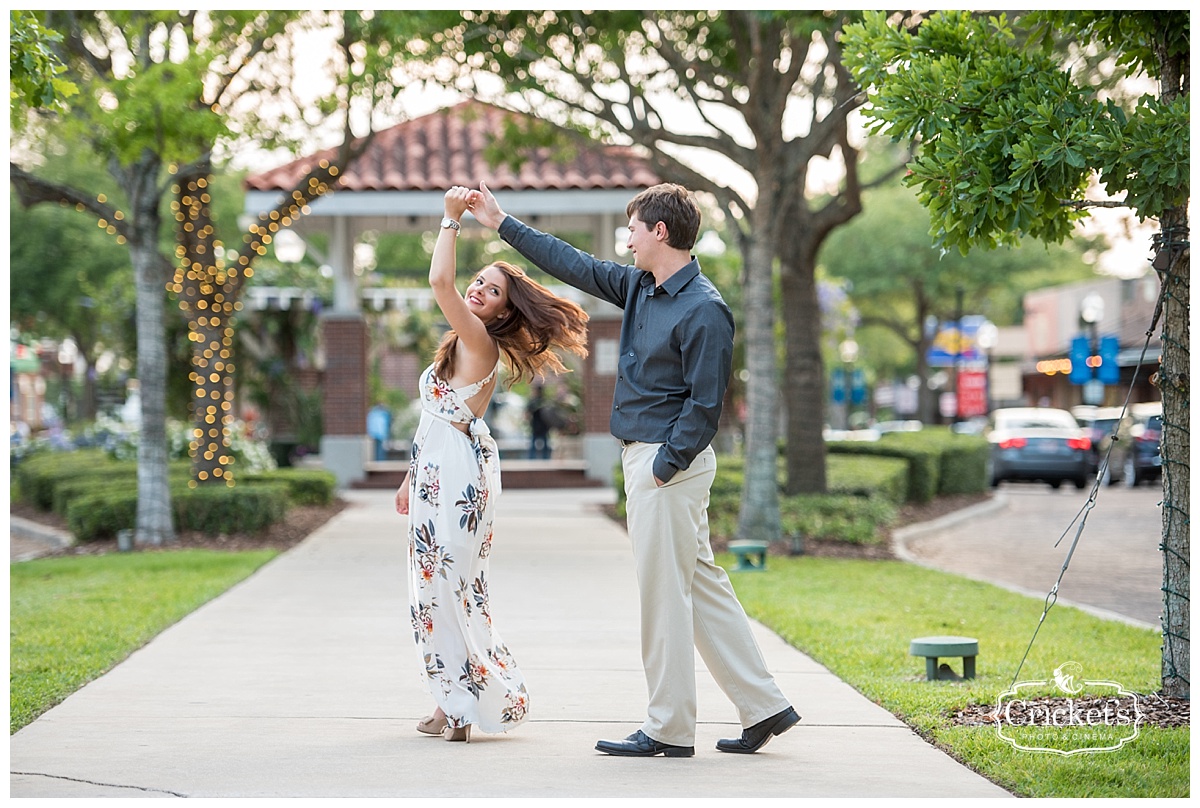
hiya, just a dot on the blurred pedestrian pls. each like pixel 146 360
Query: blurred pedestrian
pixel 539 410
pixel 379 427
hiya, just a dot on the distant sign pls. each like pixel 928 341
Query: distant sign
pixel 953 345
pixel 972 394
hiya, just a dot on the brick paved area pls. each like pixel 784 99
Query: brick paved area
pixel 1117 565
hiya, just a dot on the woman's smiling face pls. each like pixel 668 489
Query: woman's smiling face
pixel 487 296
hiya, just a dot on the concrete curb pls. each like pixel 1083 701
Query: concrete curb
pixel 902 536
pixel 35 531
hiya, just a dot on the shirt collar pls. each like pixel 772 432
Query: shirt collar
pixel 674 283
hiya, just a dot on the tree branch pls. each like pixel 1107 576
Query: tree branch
pixel 900 329
pixel 681 65
pixel 33 190
pixel 73 41
pixel 257 46
pixel 1081 204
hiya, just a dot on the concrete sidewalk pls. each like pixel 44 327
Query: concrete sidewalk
pixel 302 682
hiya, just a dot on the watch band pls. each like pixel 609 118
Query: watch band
pixel 450 223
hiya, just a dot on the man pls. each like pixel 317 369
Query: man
pixel 539 410
pixel 676 355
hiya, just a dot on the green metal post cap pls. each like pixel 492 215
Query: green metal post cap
pixel 944 646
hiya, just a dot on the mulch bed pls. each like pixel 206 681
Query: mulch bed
pixel 1156 710
pixel 300 521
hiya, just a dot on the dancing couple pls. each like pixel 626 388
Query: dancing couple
pixel 675 360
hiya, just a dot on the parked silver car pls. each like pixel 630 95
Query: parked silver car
pixel 1038 443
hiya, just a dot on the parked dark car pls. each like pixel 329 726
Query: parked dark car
pixel 1142 458
pixel 1039 444
pixel 1098 423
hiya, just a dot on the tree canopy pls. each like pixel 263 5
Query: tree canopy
pixel 1010 141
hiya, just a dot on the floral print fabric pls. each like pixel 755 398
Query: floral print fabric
pixel 454 478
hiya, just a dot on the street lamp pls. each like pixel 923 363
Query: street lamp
pixel 986 337
pixel 848 352
pixel 1091 311
pixel 289 247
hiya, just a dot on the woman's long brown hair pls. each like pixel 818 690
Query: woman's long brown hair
pixel 538 322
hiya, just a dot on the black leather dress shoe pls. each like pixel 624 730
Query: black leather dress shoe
pixel 639 744
pixel 756 736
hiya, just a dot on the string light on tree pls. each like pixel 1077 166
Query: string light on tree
pixel 207 289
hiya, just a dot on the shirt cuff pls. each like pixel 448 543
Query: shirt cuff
pixel 663 470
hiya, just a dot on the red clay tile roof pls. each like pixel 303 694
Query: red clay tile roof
pixel 447 148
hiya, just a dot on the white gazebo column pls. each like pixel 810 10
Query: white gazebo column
pixel 344 443
pixel 601 451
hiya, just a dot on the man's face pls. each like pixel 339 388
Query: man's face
pixel 642 242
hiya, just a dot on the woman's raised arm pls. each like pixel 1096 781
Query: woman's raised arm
pixel 472 333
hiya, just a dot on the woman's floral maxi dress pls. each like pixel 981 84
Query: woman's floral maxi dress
pixel 454 479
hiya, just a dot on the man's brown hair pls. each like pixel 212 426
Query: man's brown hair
pixel 674 206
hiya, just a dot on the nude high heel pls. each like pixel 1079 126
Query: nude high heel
pixel 457 733
pixel 432 724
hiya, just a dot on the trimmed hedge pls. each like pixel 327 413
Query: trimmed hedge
pixel 39 475
pixel 98 495
pixel 845 518
pixel 862 476
pixel 305 486
pixel 867 483
pixel 864 494
pixel 211 509
pixel 923 459
pixel 962 459
pixel 98 515
pixel 216 509
pixel 120 478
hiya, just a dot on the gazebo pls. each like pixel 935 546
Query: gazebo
pixel 397 185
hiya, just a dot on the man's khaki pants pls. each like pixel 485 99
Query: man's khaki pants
pixel 687 601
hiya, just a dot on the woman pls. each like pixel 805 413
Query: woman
pixel 454 478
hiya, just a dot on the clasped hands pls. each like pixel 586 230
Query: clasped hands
pixel 481 203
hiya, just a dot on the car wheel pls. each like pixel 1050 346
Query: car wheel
pixel 1056 484
pixel 1130 472
pixel 1081 483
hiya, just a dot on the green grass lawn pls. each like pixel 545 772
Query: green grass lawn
pixel 73 618
pixel 857 617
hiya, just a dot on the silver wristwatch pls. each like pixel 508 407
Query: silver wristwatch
pixel 453 225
